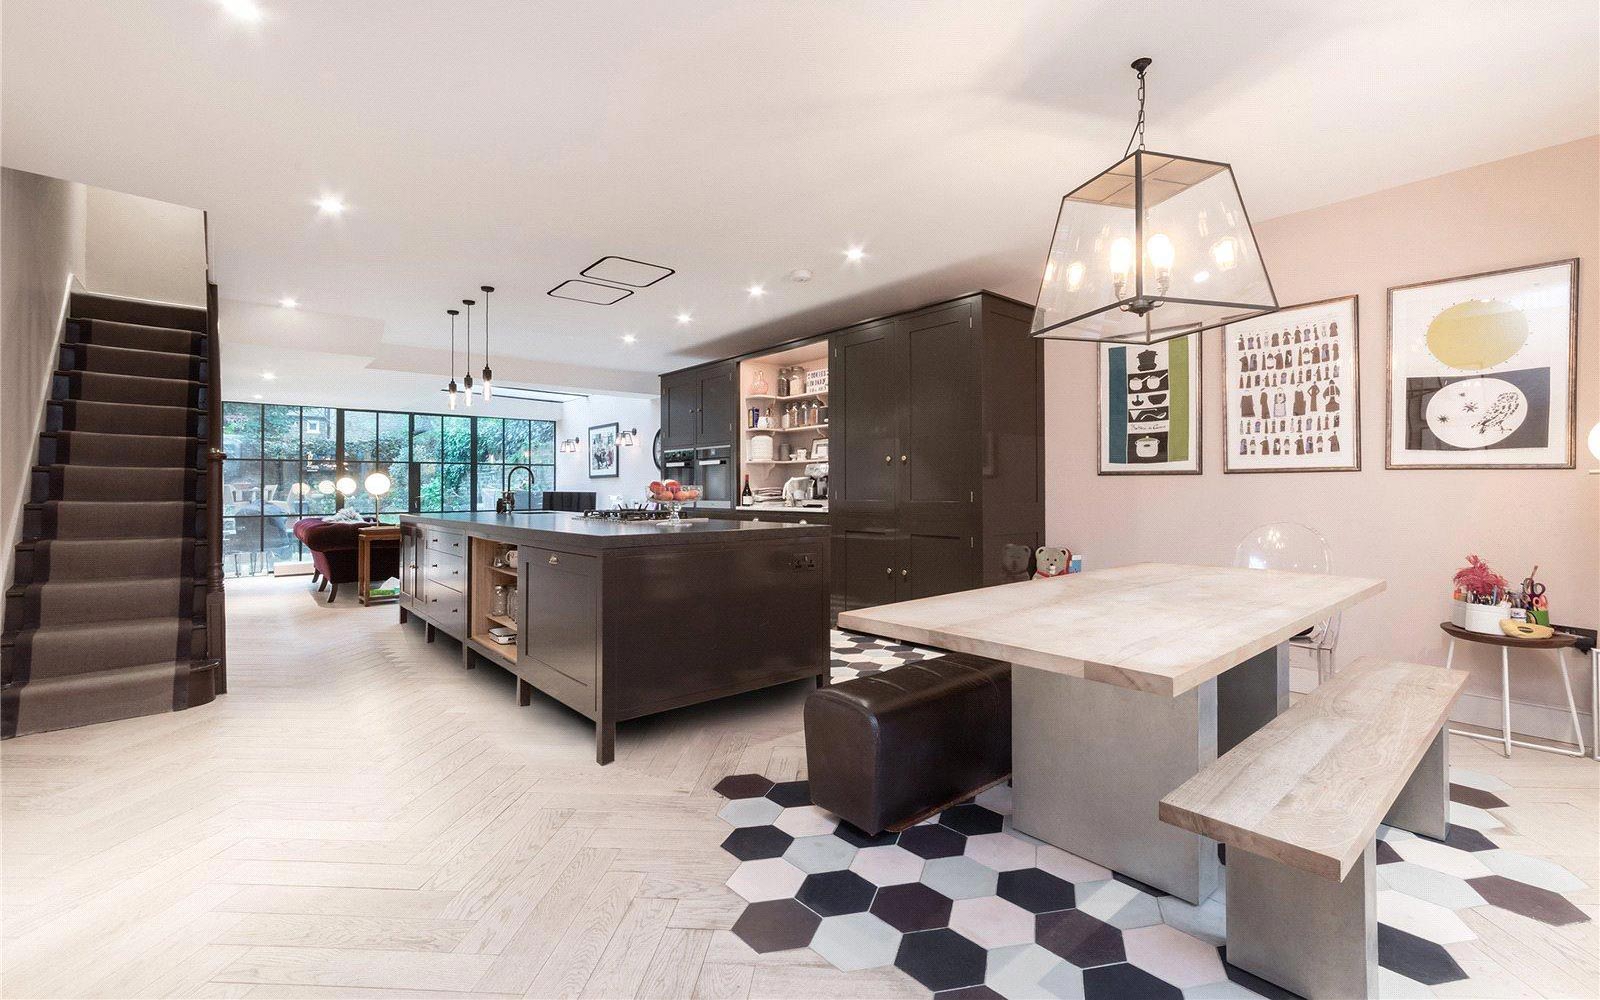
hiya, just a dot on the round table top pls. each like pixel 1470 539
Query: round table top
pixel 1560 640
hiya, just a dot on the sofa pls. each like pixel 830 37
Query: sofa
pixel 333 546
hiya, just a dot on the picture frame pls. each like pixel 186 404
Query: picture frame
pixel 1304 360
pixel 1147 408
pixel 1481 370
pixel 604 456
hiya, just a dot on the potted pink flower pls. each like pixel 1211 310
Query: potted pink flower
pixel 1480 598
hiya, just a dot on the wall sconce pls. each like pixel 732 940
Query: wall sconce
pixel 629 437
pixel 569 446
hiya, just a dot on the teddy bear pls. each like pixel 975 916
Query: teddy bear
pixel 1051 562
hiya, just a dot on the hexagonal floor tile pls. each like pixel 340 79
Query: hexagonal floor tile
pixel 853 836
pixel 931 840
pixel 991 922
pixel 776 925
pixel 1448 891
pixel 742 786
pixel 791 793
pixel 833 893
pixel 1467 795
pixel 1064 982
pixel 972 819
pixel 1208 921
pixel 820 854
pixel 1000 851
pixel 1125 982
pixel 1015 972
pixel 997 799
pixel 856 941
pixel 1035 890
pixel 771 878
pixel 1440 857
pixel 913 907
pixel 1169 954
pixel 1118 904
pixel 749 843
pixel 941 959
pixel 959 878
pixel 887 865
pixel 1473 817
pixel 1477 779
pixel 1422 918
pixel 1528 900
pixel 1079 938
pixel 1068 866
pixel 804 821
pixel 978 992
pixel 1416 959
pixel 750 812
pixel 1530 870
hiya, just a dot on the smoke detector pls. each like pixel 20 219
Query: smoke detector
pixel 800 275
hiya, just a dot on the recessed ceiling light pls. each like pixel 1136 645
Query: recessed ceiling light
pixel 242 10
pixel 629 338
pixel 684 318
pixel 268 376
pixel 289 303
pixel 756 291
pixel 330 204
pixel 800 275
pixel 855 254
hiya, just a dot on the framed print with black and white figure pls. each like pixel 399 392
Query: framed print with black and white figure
pixel 603 452
pixel 1292 390
pixel 1482 370
pixel 1149 408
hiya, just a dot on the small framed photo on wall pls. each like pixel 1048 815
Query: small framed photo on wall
pixel 1149 408
pixel 1291 390
pixel 603 452
pixel 1482 370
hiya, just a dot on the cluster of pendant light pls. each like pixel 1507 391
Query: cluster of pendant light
pixel 465 388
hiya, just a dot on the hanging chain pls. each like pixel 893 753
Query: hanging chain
pixel 1138 126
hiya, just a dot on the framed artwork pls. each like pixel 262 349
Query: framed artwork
pixel 1149 408
pixel 1482 370
pixel 603 452
pixel 1291 387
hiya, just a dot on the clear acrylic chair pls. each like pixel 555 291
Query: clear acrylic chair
pixel 1285 545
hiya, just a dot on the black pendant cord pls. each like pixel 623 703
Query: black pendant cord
pixel 1140 66
pixel 453 314
pixel 487 290
pixel 467 379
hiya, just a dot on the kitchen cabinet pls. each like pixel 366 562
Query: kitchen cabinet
pixel 875 566
pixel 699 407
pixel 433 579
pixel 560 629
pixel 868 390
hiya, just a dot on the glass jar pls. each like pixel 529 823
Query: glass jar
pixel 513 609
pixel 500 599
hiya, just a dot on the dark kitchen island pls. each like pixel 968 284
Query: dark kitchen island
pixel 620 620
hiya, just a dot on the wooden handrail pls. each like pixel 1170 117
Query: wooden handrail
pixel 216 604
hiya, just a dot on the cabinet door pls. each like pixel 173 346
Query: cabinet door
pixel 719 406
pixel 864 411
pixel 560 629
pixel 866 567
pixel 680 411
pixel 939 461
pixel 409 558
pixel 933 563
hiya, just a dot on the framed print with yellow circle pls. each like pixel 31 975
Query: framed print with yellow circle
pixel 1482 370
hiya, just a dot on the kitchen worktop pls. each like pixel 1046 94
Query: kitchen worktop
pixel 558 529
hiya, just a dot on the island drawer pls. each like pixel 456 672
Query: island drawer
pixel 447 609
pixel 445 541
pixel 560 651
pixel 445 570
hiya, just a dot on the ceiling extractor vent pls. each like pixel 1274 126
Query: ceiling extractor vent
pixel 626 271
pixel 591 292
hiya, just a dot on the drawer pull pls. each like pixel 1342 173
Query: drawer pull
pixel 888 570
pixel 555 560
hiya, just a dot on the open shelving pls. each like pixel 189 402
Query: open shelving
pixel 771 474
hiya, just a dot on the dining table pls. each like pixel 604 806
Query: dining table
pixel 1126 682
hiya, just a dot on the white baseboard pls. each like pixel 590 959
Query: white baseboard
pixel 1540 721
pixel 283 568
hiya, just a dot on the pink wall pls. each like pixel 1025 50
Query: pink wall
pixel 1413 528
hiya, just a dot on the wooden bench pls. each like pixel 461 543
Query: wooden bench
pixel 1299 802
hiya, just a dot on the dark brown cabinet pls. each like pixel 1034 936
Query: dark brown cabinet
pixel 699 407
pixel 560 631
pixel 433 578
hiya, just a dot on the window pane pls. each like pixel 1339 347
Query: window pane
pixel 278 482
pixel 317 430
pixel 241 430
pixel 318 501
pixel 425 438
pixel 360 435
pixel 516 442
pixel 241 488
pixel 241 545
pixel 431 489
pixel 399 499
pixel 491 479
pixel 457 485
pixel 394 437
pixel 530 493
pixel 278 541
pixel 542 442
pixel 491 439
pixel 280 430
pixel 458 439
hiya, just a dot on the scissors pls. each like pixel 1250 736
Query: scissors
pixel 1533 593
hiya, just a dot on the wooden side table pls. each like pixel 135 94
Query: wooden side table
pixel 1560 642
pixel 382 534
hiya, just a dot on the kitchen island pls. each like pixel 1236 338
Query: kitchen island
pixel 618 620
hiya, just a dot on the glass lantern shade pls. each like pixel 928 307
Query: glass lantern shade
pixel 1156 247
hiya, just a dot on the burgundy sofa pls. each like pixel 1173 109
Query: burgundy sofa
pixel 333 544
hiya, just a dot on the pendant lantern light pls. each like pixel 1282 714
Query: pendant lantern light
pixel 488 375
pixel 1155 247
pixel 466 380
pixel 452 388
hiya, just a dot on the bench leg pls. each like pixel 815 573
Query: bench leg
pixel 1423 806
pixel 1314 937
pixel 1251 695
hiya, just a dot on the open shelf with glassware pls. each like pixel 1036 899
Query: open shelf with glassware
pixel 491 600
pixel 784 416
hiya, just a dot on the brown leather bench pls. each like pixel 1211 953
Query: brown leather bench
pixel 887 750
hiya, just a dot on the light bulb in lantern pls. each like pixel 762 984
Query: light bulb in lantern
pixel 346 485
pixel 1121 259
pixel 1075 275
pixel 1226 253
pixel 1159 247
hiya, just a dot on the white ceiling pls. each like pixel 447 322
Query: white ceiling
pixel 514 143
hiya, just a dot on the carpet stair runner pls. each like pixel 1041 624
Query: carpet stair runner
pixel 106 615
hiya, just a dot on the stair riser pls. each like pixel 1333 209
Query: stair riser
pixel 140 338
pixel 123 418
pixel 96 387
pixel 112 483
pixel 122 600
pixel 39 561
pixel 120 450
pixel 120 361
pixel 40 521
pixel 31 656
pixel 88 306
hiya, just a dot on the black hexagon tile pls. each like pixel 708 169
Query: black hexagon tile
pixel 1126 982
pixel 972 819
pixel 749 843
pixel 1079 938
pixel 833 893
pixel 1416 958
pixel 913 907
pixel 790 793
pixel 1036 890
pixel 778 925
pixel 742 786
pixel 933 840
pixel 942 959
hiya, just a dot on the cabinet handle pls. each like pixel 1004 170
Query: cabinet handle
pixel 887 459
pixel 904 459
pixel 904 573
pixel 555 560
pixel 888 570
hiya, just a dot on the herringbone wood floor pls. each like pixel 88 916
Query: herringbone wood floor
pixel 361 817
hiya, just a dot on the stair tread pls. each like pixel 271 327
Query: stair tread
pixel 137 669
pixel 136 326
pixel 140 378
pixel 115 624
pixel 135 350
pixel 122 437
pixel 144 406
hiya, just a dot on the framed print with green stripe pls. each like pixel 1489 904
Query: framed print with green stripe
pixel 1149 408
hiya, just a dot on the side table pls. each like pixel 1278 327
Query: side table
pixel 1560 642
pixel 381 534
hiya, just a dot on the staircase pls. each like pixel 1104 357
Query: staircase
pixel 115 576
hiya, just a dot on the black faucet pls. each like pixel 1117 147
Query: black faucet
pixel 508 500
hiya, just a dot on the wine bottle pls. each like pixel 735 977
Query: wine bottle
pixel 745 496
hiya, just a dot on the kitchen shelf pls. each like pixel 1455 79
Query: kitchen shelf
pixel 787 399
pixel 503 620
pixel 488 647
pixel 786 430
pixel 504 571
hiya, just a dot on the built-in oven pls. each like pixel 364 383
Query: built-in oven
pixel 678 463
pixel 714 475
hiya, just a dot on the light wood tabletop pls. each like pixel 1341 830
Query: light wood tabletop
pixel 1310 787
pixel 1156 627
